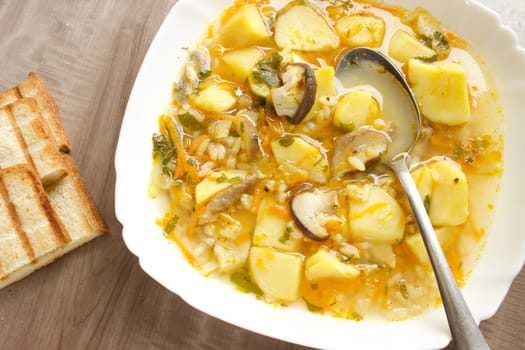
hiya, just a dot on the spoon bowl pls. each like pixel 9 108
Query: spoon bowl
pixel 363 64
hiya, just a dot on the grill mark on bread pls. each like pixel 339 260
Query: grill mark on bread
pixel 16 220
pixel 17 134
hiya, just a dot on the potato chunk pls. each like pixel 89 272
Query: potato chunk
pixel 273 229
pixel 215 98
pixel 241 62
pixel 374 215
pixel 325 265
pixel 325 78
pixel 311 33
pixel 277 274
pixel 361 30
pixel 356 109
pixel 445 235
pixel 444 190
pixel 217 182
pixel 244 28
pixel 441 90
pixel 298 152
pixel 404 47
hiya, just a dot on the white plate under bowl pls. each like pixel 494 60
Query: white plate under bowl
pixel 500 262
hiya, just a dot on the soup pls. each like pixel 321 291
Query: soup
pixel 272 165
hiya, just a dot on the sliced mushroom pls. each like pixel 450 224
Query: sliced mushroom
pixel 297 96
pixel 222 200
pixel 355 150
pixel 311 209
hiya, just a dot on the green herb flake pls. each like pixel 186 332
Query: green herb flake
pixel 403 289
pixel 204 74
pixel 428 59
pixel 223 178
pixel 285 237
pixel 190 122
pixel 441 41
pixel 356 316
pixel 267 70
pixel 242 280
pixel 426 202
pixel 164 150
pixel 234 133
pixel 426 40
pixel 170 226
pixel 286 141
pixel 457 152
pixel 311 307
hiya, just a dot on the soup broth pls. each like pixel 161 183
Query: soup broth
pixel 272 165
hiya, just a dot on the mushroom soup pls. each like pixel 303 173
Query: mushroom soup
pixel 272 170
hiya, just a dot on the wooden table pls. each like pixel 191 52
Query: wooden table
pixel 97 297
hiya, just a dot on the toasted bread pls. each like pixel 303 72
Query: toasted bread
pixel 12 145
pixel 32 214
pixel 9 97
pixel 44 153
pixel 15 250
pixel 75 207
pixel 34 87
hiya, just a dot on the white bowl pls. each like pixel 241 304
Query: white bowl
pixel 499 263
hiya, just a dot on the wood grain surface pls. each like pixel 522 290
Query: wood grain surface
pixel 89 52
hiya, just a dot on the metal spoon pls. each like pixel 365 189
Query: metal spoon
pixel 463 327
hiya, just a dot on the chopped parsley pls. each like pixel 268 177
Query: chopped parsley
pixel 223 178
pixel 267 70
pixel 170 226
pixel 403 289
pixel 286 141
pixel 190 122
pixel 164 151
pixel 242 280
pixel 285 237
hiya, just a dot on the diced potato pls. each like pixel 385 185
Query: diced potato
pixel 244 28
pixel 374 215
pixel 300 153
pixel 325 78
pixel 356 109
pixel 404 47
pixel 229 255
pixel 215 98
pixel 442 91
pixel 274 230
pixel 383 254
pixel 325 265
pixel 311 33
pixel 444 189
pixel 445 235
pixel 217 182
pixel 241 62
pixel 277 274
pixel 361 30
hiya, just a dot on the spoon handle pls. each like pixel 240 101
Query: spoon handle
pixel 463 327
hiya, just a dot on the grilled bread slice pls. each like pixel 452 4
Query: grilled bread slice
pixel 43 151
pixel 12 146
pixel 34 87
pixel 34 219
pixel 75 207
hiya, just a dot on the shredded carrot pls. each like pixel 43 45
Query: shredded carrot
pixel 257 196
pixel 280 211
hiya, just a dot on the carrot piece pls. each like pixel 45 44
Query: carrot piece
pixel 257 196
pixel 280 211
